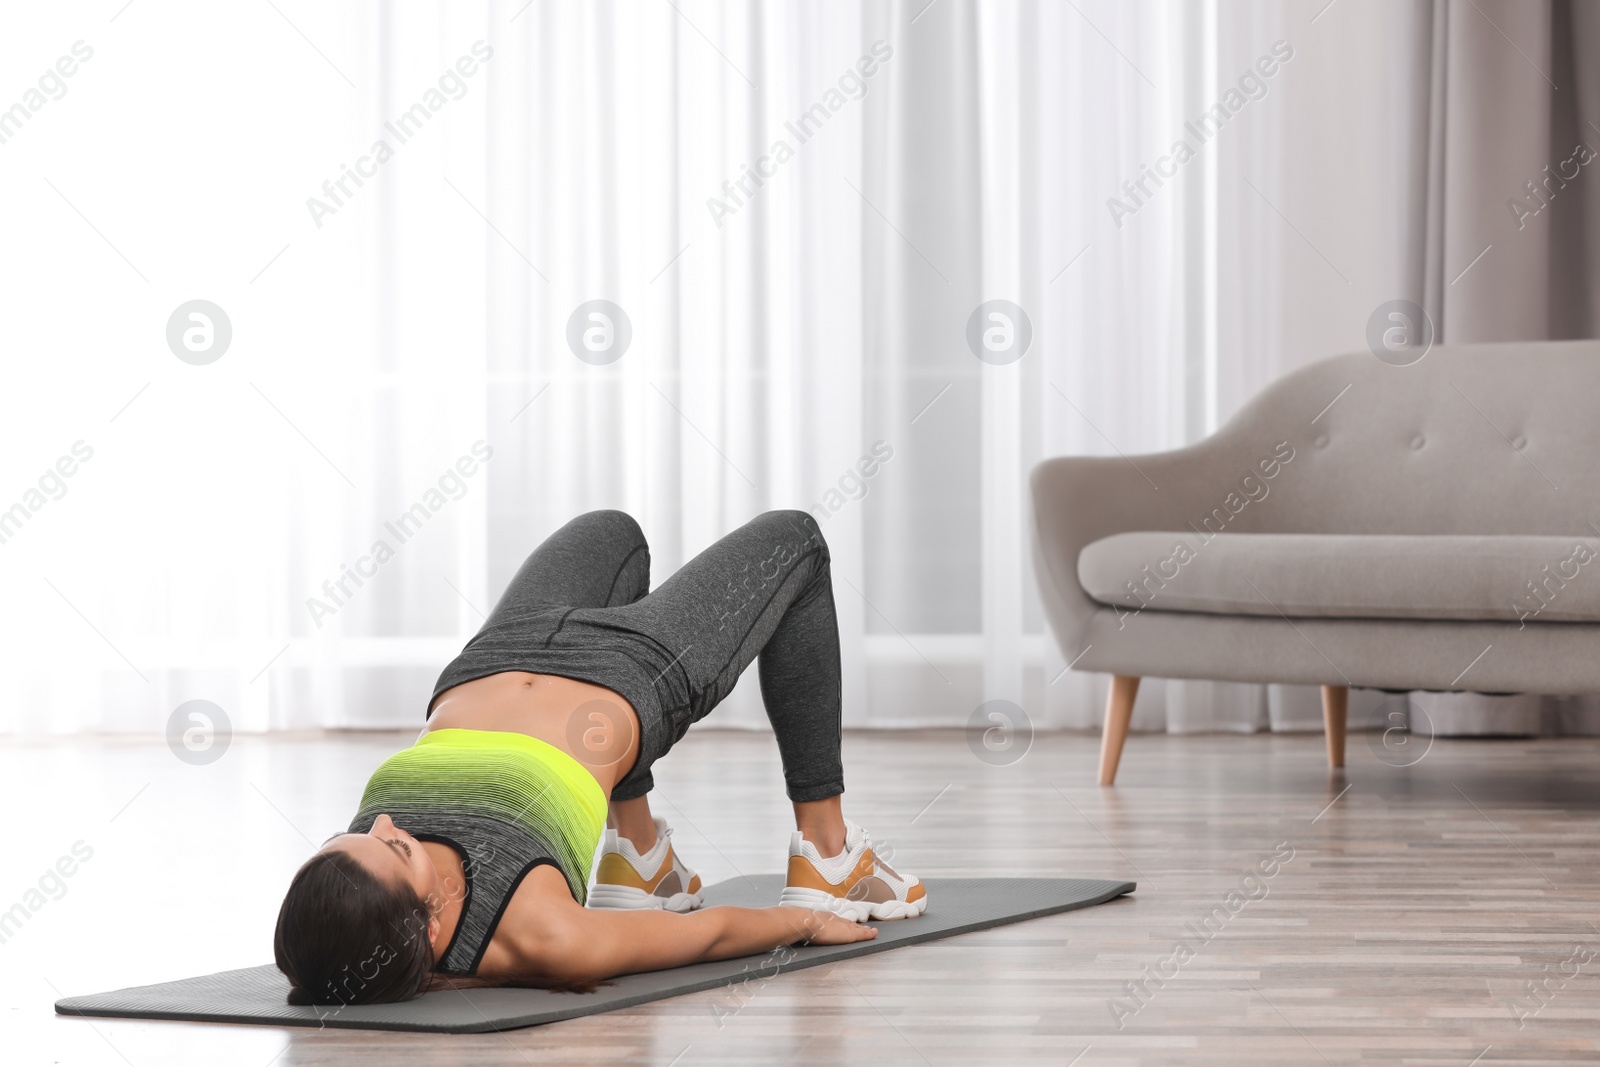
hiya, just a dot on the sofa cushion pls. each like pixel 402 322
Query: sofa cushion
pixel 1503 578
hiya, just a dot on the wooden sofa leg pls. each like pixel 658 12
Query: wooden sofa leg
pixel 1119 710
pixel 1335 705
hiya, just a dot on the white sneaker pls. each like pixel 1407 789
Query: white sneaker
pixel 856 884
pixel 658 879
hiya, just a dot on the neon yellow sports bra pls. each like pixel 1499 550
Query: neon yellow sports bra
pixel 507 802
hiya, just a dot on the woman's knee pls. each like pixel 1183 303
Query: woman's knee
pixel 796 519
pixel 611 522
pixel 802 525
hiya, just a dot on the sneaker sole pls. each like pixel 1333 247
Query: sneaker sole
pixel 854 910
pixel 627 898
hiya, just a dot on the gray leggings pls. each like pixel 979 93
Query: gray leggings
pixel 581 607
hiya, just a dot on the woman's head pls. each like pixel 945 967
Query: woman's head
pixel 355 926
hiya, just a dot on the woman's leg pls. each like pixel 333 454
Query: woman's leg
pixel 765 589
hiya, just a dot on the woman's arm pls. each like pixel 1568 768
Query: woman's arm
pixel 587 944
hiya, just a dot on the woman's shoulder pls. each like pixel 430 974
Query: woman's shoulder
pixel 538 928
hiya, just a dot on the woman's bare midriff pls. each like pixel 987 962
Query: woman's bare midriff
pixel 594 725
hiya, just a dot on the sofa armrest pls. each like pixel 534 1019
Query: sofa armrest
pixel 1220 483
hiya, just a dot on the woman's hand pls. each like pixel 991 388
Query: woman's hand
pixel 826 928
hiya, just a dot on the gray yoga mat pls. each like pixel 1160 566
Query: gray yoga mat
pixel 256 994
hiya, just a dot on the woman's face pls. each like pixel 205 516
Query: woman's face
pixel 392 855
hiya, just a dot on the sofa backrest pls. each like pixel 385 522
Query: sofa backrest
pixel 1471 439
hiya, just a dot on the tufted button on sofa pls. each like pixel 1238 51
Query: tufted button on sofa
pixel 1433 526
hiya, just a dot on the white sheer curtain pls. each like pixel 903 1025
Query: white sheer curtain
pixel 783 328
pixel 785 335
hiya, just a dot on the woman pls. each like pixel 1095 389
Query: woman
pixel 468 861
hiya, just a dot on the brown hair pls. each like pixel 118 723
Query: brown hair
pixel 344 936
pixel 472 981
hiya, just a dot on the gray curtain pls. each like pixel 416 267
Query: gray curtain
pixel 1508 238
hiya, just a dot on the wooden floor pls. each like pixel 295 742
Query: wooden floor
pixel 1417 908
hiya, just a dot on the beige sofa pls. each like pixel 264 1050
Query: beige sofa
pixel 1432 526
